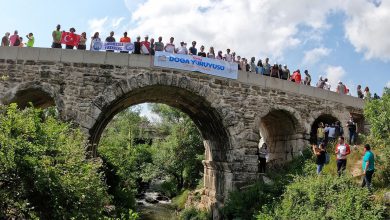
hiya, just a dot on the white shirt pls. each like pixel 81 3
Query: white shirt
pixel 327 86
pixel 182 50
pixel 229 57
pixel 332 132
pixel 170 48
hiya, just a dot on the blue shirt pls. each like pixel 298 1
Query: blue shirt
pixel 368 157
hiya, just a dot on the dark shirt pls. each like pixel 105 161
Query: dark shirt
pixel 321 158
pixel 5 41
pixel 351 126
pixel 193 50
pixel 110 39
pixel 137 47
pixel 202 54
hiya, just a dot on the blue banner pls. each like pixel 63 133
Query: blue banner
pixel 117 46
pixel 196 63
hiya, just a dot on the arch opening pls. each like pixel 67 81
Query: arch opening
pixel 36 97
pixel 206 118
pixel 279 130
pixel 325 119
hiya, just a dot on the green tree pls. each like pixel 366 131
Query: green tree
pixel 44 172
pixel 126 162
pixel 180 154
pixel 377 112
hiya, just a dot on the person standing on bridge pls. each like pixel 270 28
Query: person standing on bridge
pixel 211 53
pixel 126 40
pixel 159 45
pixel 342 150
pixel 110 39
pixel 82 43
pixel 94 39
pixel 201 53
pixel 368 166
pixel 193 50
pixel 137 45
pixel 14 39
pixel 145 46
pixel 5 40
pixel 56 35
pixel 170 47
pixel 31 40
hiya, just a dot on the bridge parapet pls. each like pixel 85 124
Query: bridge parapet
pixel 142 61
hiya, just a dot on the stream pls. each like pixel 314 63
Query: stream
pixel 154 206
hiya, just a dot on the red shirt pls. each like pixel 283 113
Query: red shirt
pixel 125 40
pixel 297 77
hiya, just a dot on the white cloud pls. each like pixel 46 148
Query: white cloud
pixel 368 28
pixel 260 28
pixel 313 56
pixel 388 84
pixel 334 75
pixel 105 25
pixel 97 25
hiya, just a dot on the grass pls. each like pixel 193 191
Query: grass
pixel 180 200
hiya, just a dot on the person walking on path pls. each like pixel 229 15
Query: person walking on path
pixel 342 150
pixel 352 131
pixel 368 166
pixel 320 152
pixel 263 154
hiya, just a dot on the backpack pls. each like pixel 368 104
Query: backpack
pixel 17 42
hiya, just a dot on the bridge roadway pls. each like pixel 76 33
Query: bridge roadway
pixel 89 88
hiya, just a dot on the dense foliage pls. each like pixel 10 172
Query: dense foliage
pixel 137 151
pixel 44 172
pixel 324 197
pixel 377 112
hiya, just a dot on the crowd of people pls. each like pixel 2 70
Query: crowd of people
pixel 329 134
pixel 149 47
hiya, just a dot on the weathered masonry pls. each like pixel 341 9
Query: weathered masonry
pixel 89 88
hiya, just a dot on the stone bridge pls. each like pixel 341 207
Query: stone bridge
pixel 90 88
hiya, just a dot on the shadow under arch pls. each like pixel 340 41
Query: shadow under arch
pixel 37 97
pixel 281 131
pixel 325 119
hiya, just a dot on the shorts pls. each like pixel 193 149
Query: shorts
pixel 56 45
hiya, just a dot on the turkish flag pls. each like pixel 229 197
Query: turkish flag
pixel 69 38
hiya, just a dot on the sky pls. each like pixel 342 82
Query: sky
pixel 343 40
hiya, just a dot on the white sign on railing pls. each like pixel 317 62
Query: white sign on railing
pixel 196 63
pixel 117 46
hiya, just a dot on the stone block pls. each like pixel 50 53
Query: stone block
pixel 289 86
pixel 49 54
pixel 256 79
pixel 274 83
pixel 333 96
pixel 8 53
pixel 72 56
pixel 27 53
pixel 142 61
pixel 242 76
pixel 117 59
pixel 307 90
pixel 95 57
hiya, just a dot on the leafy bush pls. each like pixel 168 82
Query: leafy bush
pixel 194 214
pixel 44 172
pixel 324 197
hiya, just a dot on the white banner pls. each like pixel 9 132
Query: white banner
pixel 196 63
pixel 118 46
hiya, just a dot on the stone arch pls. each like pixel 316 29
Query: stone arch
pixel 325 118
pixel 280 128
pixel 194 99
pixel 41 95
